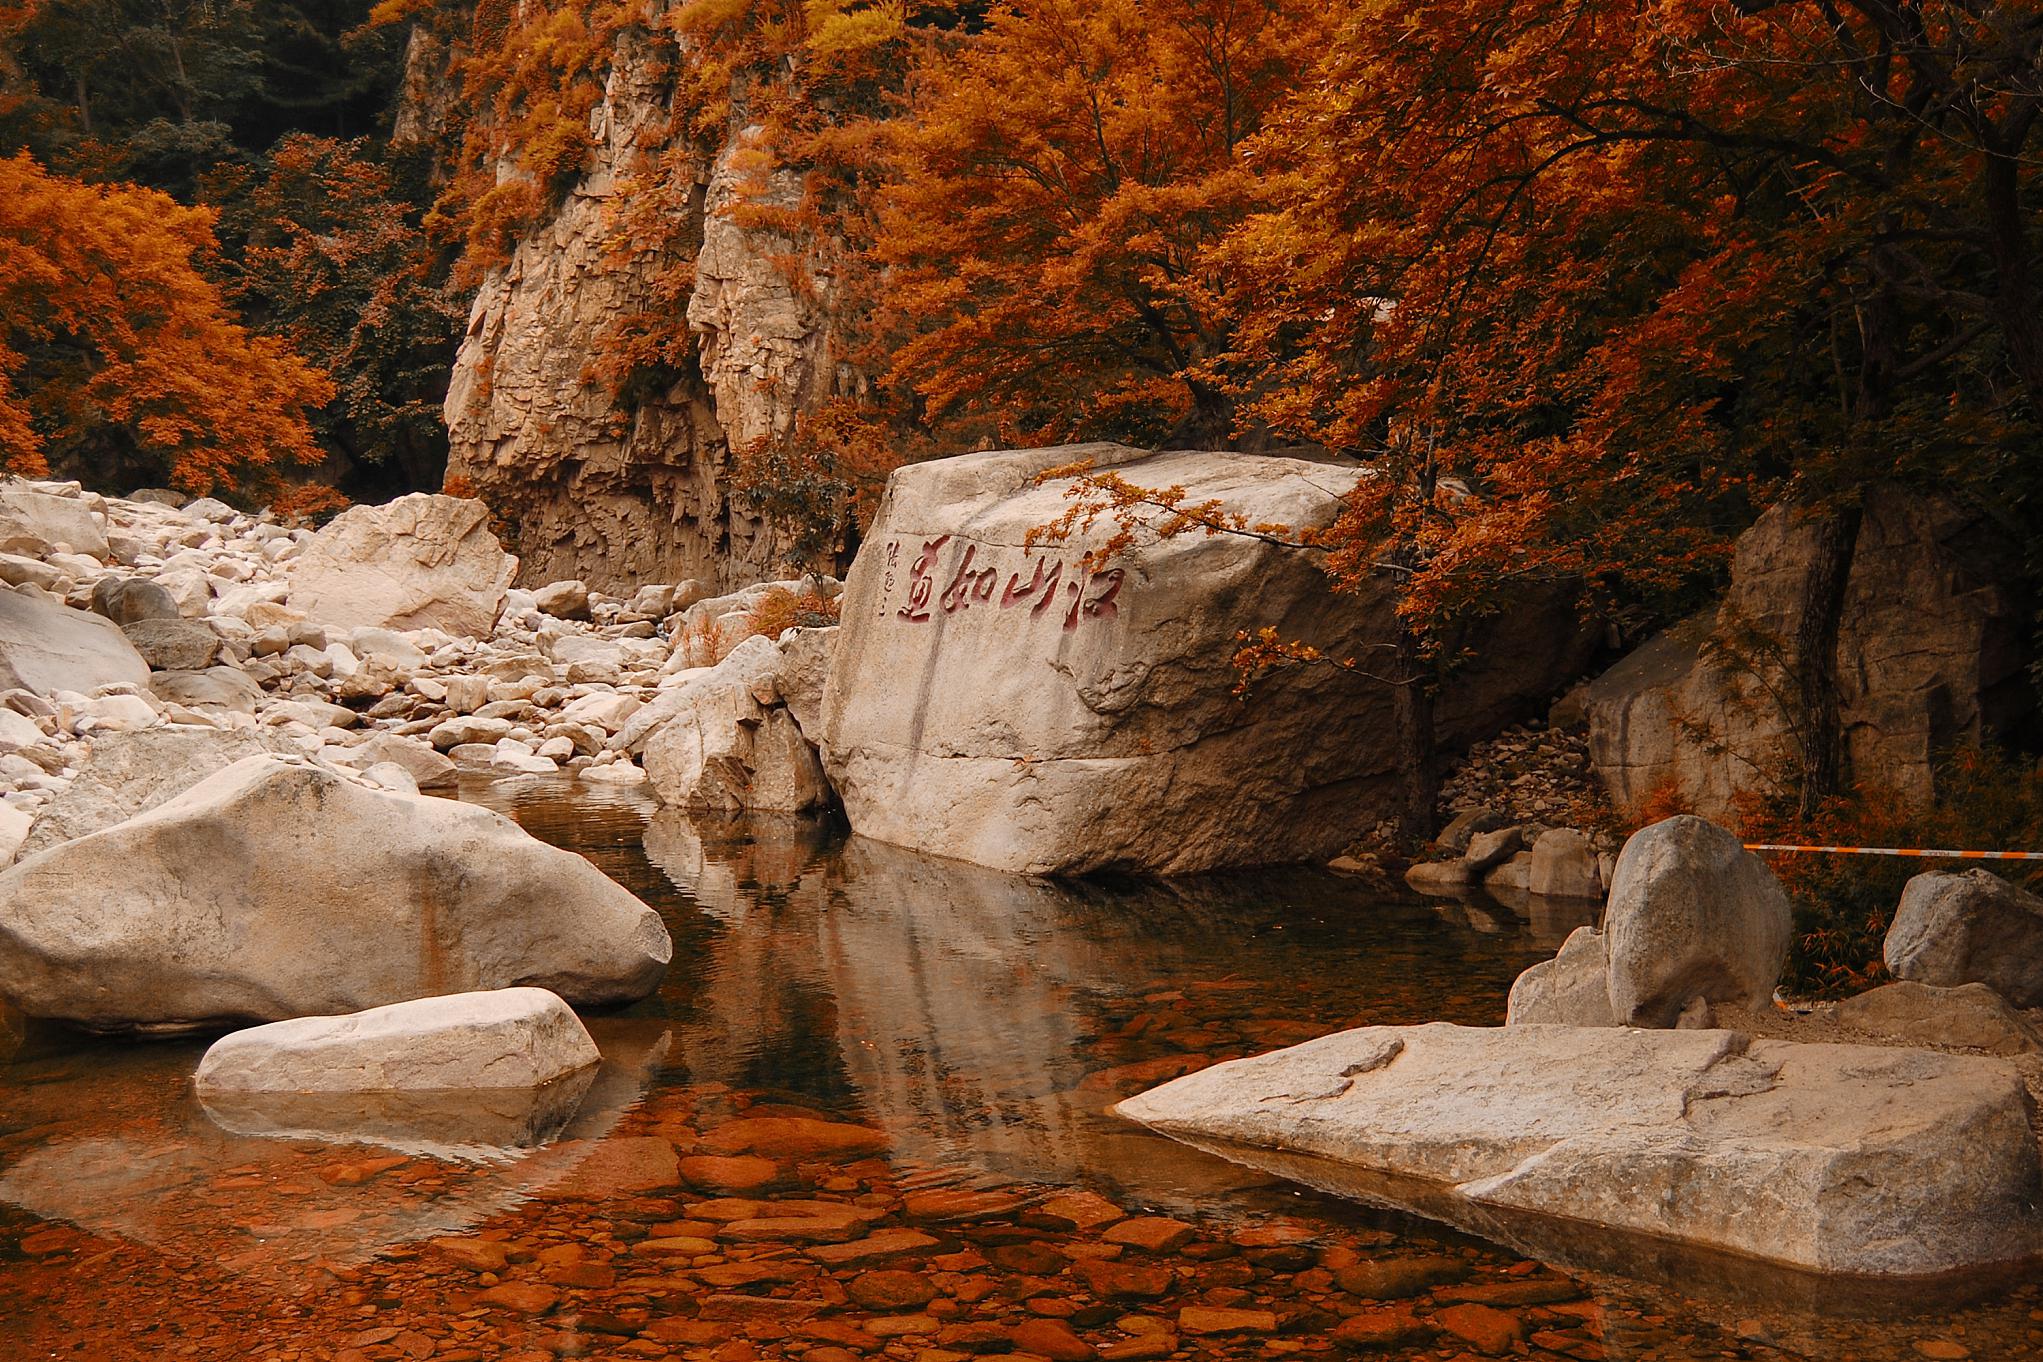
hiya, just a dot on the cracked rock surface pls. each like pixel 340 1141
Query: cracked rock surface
pixel 1833 1158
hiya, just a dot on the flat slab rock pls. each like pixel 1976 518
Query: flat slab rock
pixel 489 1039
pixel 1831 1158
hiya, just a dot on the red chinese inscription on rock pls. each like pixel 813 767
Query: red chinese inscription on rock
pixel 971 583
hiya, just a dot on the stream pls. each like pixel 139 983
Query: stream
pixel 957 1033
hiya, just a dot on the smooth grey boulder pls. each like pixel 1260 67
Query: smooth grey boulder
pixel 1512 875
pixel 1969 1017
pixel 272 890
pixel 804 670
pixel 1572 989
pixel 1492 847
pixel 1835 1158
pixel 124 774
pixel 567 600
pixel 1459 834
pixel 1564 866
pixel 494 1039
pixel 38 523
pixel 750 670
pixel 465 730
pixel 724 741
pixel 1965 927
pixel 47 647
pixel 174 645
pixel 1692 914
pixel 429 769
pixel 222 687
pixel 128 600
pixel 19 570
pixel 1449 878
pixel 420 562
pixel 14 826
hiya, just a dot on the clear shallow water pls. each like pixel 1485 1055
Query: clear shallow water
pixel 972 1023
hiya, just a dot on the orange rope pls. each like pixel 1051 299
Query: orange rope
pixel 1922 852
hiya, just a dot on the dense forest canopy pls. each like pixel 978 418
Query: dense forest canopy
pixel 1589 282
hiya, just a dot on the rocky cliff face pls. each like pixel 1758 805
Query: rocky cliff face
pixel 620 491
pixel 1929 657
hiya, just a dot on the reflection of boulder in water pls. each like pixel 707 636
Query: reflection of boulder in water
pixel 962 1007
pixel 725 863
pixel 1546 919
pixel 140 1160
pixel 1722 1286
pixel 951 998
pixel 473 1126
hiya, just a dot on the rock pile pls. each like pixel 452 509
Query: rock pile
pixel 1530 773
pixel 387 646
pixel 1485 848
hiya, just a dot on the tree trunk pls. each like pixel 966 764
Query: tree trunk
pixel 1815 653
pixel 2014 302
pixel 1210 422
pixel 1418 766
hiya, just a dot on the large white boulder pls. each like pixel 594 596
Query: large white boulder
pixel 124 774
pixel 427 768
pixel 271 890
pixel 723 740
pixel 499 1038
pixel 1968 927
pixel 1004 704
pixel 1836 1158
pixel 47 647
pixel 1692 914
pixel 419 562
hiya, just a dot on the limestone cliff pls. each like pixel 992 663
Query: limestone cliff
pixel 621 491
pixel 1929 657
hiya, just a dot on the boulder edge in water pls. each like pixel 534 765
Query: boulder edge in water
pixel 273 890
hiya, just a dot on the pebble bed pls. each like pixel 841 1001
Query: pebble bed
pixel 781 1217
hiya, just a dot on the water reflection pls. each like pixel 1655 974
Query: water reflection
pixel 964 1009
pixel 108 1136
pixel 984 1021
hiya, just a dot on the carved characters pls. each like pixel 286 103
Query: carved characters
pixel 920 583
pixel 1086 596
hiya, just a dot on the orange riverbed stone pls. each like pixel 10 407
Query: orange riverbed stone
pixel 794 1137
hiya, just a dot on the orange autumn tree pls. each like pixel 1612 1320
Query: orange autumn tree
pixel 1587 282
pixel 1060 176
pixel 119 358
